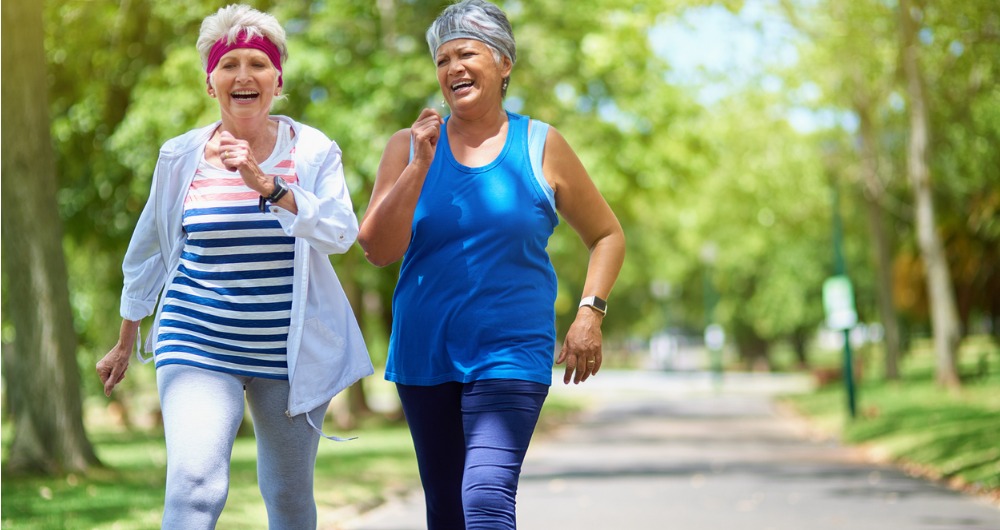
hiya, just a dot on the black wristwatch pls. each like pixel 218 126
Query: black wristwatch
pixel 280 189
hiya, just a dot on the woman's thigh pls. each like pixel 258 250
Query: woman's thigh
pixel 499 418
pixel 286 446
pixel 434 416
pixel 202 411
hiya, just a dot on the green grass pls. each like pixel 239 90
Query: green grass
pixel 128 494
pixel 951 435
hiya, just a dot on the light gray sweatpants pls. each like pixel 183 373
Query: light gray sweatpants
pixel 202 411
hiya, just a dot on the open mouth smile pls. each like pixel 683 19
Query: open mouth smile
pixel 245 95
pixel 461 86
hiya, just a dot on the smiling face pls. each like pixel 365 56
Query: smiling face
pixel 468 73
pixel 246 83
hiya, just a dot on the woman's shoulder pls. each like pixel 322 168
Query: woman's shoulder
pixel 401 136
pixel 399 146
pixel 310 143
pixel 307 133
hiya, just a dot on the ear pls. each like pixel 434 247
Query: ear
pixel 505 66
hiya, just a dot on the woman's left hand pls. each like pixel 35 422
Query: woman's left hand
pixel 236 155
pixel 581 350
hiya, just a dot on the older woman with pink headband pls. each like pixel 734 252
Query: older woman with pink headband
pixel 234 242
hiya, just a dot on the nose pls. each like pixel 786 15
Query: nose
pixel 243 73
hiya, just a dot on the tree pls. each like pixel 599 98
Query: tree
pixel 874 193
pixel 944 317
pixel 43 380
pixel 865 32
pixel 959 45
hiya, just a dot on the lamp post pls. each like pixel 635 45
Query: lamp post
pixel 838 299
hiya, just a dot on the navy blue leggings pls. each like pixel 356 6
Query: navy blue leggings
pixel 470 440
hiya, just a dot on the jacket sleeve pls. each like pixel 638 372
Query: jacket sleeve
pixel 144 267
pixel 326 218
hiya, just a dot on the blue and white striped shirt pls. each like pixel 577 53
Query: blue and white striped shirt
pixel 228 307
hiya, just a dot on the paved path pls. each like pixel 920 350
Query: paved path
pixel 666 451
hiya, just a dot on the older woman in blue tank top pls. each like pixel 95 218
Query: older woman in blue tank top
pixel 469 202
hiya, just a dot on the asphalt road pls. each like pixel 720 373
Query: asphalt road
pixel 685 451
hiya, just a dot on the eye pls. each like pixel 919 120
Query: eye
pixel 442 62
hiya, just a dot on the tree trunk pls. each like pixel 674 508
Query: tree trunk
pixel 874 193
pixel 43 379
pixel 357 399
pixel 944 318
pixel 800 340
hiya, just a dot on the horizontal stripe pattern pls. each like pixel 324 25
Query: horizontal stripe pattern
pixel 228 307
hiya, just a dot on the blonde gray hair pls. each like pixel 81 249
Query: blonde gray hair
pixel 229 21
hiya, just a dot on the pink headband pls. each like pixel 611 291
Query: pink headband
pixel 258 42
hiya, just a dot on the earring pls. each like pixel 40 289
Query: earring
pixel 505 81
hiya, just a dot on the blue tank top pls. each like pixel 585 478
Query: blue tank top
pixel 476 292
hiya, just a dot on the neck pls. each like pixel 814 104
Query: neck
pixel 478 126
pixel 253 131
pixel 261 134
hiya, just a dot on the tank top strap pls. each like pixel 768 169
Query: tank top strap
pixel 537 134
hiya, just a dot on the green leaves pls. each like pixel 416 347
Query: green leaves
pixel 687 163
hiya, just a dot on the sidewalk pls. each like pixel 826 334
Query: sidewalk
pixel 678 451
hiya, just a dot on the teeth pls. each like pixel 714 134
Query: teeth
pixel 462 84
pixel 244 93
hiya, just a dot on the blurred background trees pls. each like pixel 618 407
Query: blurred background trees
pixel 41 379
pixel 719 155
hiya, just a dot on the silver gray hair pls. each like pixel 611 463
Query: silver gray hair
pixel 229 21
pixel 474 19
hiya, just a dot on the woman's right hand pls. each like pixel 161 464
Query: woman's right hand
pixel 111 369
pixel 426 131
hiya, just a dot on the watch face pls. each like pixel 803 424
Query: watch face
pixel 600 304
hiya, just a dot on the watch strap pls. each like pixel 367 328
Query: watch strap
pixel 280 190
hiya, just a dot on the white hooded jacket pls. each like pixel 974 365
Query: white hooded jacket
pixel 326 351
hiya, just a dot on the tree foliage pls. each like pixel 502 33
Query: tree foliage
pixel 721 191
